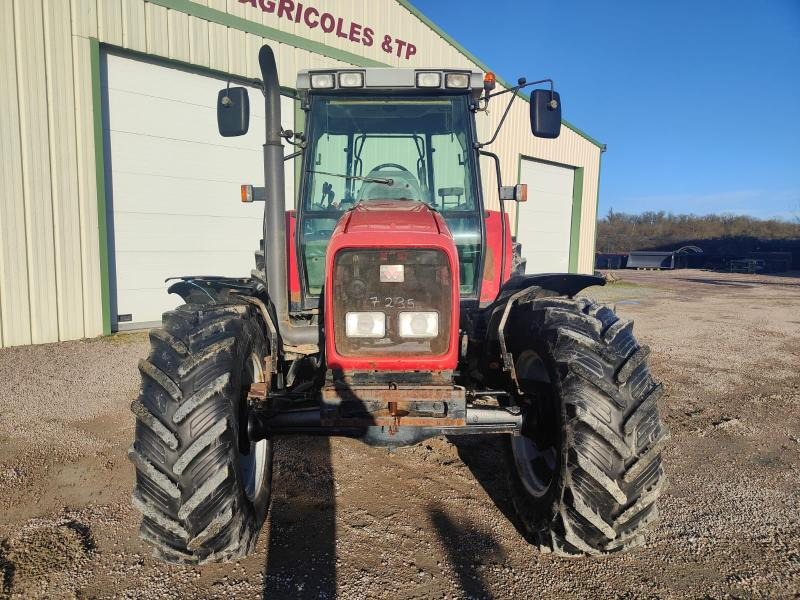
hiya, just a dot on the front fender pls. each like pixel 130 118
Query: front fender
pixel 523 289
pixel 206 289
pixel 551 284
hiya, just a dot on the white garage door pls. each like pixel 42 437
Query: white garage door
pixel 544 221
pixel 172 184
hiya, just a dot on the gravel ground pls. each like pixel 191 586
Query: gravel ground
pixel 430 521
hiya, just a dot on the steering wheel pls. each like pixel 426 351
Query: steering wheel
pixel 404 179
pixel 395 165
pixel 320 234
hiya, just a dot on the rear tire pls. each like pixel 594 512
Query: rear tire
pixel 202 488
pixel 586 471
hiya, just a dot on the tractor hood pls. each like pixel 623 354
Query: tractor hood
pixel 394 261
pixel 394 217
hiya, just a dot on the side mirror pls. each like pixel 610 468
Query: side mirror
pixel 233 111
pixel 545 114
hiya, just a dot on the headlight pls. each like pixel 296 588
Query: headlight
pixel 418 324
pixel 365 324
pixel 322 80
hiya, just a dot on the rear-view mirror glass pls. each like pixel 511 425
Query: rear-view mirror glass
pixel 233 111
pixel 545 114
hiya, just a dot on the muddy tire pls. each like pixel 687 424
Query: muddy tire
pixel 518 262
pixel 260 272
pixel 586 471
pixel 202 488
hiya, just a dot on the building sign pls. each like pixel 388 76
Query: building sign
pixel 329 23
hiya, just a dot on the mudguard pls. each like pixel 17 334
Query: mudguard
pixel 204 289
pixel 551 284
pixel 520 290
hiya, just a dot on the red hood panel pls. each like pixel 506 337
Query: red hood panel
pixel 392 224
pixel 392 215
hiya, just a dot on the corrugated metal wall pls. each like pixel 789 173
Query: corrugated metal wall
pixel 50 253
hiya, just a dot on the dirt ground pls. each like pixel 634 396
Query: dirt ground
pixel 430 521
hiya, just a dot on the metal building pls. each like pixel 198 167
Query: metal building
pixel 113 176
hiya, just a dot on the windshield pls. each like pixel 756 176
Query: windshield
pixel 403 148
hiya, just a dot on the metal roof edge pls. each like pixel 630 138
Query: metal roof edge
pixel 603 147
pixel 446 37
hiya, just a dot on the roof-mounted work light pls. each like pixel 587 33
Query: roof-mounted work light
pixel 456 80
pixel 322 81
pixel 429 79
pixel 351 79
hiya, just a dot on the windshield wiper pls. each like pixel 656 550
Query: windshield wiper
pixel 386 181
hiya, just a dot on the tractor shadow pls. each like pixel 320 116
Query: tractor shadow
pixel 301 551
pixel 489 460
pixel 466 548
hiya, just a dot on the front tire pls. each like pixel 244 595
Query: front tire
pixel 518 262
pixel 586 471
pixel 203 489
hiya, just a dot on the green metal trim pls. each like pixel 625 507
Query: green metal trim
pixel 596 209
pixel 584 135
pixel 575 226
pixel 415 11
pixel 100 182
pixel 516 210
pixel 222 18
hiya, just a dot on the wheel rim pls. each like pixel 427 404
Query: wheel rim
pixel 536 449
pixel 253 464
pixel 535 466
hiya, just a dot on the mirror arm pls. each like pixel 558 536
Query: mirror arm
pixel 522 83
pixel 290 135
pixel 480 145
pixel 256 83
pixel 292 155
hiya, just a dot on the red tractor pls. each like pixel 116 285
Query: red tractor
pixel 385 308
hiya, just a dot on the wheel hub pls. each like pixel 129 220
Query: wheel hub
pixel 252 462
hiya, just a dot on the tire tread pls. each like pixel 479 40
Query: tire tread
pixel 187 487
pixel 611 475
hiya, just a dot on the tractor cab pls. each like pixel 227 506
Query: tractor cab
pixel 376 135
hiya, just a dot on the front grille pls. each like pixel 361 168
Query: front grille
pixel 426 286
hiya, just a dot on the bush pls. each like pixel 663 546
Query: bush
pixel 622 233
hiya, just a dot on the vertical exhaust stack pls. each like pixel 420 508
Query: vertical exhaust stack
pixel 275 207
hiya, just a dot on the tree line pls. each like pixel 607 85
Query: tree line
pixel 623 232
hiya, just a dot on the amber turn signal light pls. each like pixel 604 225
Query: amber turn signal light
pixel 518 193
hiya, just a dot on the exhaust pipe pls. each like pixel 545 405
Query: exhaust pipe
pixel 275 208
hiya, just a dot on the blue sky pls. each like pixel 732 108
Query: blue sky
pixel 698 101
